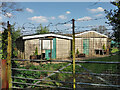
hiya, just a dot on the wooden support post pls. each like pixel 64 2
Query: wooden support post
pixel 9 56
pixel 4 75
pixel 0 57
pixel 73 43
pixel 0 46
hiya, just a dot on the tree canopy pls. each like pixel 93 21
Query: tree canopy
pixel 42 30
pixel 113 17
pixel 100 29
pixel 14 35
pixel 7 9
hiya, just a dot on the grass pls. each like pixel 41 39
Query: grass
pixel 101 68
pixel 38 75
pixel 114 50
pixel 114 58
pixel 95 68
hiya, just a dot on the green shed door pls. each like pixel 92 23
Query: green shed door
pixel 54 49
pixel 47 56
pixel 86 46
pixel 48 51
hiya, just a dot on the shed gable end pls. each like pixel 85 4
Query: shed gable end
pixel 91 34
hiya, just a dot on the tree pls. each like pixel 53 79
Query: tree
pixel 14 35
pixel 101 29
pixel 42 30
pixel 113 17
pixel 8 8
pixel 4 43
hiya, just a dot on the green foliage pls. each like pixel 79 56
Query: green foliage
pixel 113 17
pixel 77 52
pixel 42 30
pixel 36 51
pixel 103 68
pixel 4 43
pixel 104 47
pixel 14 35
pixel 112 68
pixel 114 50
pixel 31 74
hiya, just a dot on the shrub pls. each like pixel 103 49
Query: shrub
pixel 36 51
pixel 104 47
pixel 77 51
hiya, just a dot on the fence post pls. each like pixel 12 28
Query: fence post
pixel 73 43
pixel 0 58
pixel 9 56
pixel 0 45
pixel 4 75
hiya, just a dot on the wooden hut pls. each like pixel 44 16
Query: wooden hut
pixel 91 43
pixel 49 46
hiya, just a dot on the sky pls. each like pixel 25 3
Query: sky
pixel 57 0
pixel 44 13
